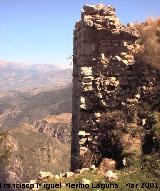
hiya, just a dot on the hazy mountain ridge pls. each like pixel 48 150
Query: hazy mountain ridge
pixel 16 76
pixel 8 69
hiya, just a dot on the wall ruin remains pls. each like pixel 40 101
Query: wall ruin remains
pixel 109 79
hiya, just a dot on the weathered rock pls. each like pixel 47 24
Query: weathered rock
pixel 107 164
pixel 69 174
pixel 46 175
pixel 62 175
pixel 111 176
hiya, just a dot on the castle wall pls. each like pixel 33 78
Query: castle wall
pixel 107 78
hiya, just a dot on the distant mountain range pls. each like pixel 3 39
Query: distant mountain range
pixel 15 76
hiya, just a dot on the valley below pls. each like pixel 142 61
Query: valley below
pixel 35 122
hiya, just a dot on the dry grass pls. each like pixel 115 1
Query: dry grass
pixel 150 38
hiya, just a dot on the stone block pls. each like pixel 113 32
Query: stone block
pixel 86 71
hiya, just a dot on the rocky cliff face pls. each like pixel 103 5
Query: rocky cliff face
pixel 57 126
pixel 25 151
pixel 110 81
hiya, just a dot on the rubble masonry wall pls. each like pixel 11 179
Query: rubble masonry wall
pixel 107 76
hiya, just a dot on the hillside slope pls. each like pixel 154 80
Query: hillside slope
pixel 23 107
pixel 25 152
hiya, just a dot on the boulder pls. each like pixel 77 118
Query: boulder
pixel 46 175
pixel 111 176
pixel 69 174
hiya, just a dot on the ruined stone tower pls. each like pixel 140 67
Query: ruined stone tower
pixel 106 81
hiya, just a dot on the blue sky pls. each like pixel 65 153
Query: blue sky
pixel 41 31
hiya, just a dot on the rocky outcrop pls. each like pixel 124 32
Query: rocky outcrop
pixel 57 126
pixel 109 81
